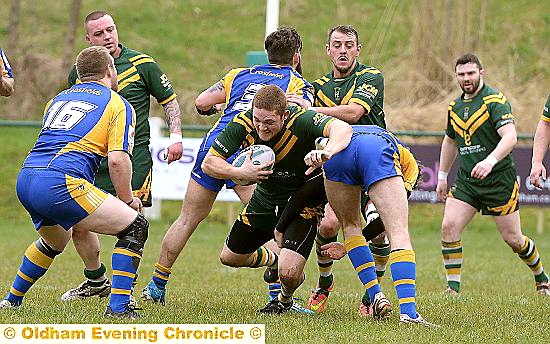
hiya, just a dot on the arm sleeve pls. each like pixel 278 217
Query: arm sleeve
pixel 367 88
pixel 450 130
pixel 157 82
pixel 301 87
pixel 501 112
pixel 231 138
pixel 121 129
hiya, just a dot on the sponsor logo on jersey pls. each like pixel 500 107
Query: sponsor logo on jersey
pixel 466 112
pixel 165 82
pixel 367 91
pixel 267 73
pixel 337 94
pixel 318 118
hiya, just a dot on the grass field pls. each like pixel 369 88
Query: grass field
pixel 498 303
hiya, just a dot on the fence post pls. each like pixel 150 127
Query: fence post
pixel 540 221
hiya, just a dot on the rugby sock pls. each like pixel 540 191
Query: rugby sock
pixel 403 271
pixel 96 278
pixel 263 257
pixel 324 263
pixel 161 275
pixel 361 258
pixel 36 261
pixel 381 254
pixel 125 263
pixel 274 289
pixel 452 259
pixel 530 256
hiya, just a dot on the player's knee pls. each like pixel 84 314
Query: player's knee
pixel 291 276
pixel 135 235
pixel 450 230
pixel 329 227
pixel 514 241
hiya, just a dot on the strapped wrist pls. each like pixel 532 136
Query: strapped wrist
pixel 491 160
pixel 442 175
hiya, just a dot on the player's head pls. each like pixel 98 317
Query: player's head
pixel 283 46
pixel 101 30
pixel 95 64
pixel 269 111
pixel 343 47
pixel 469 73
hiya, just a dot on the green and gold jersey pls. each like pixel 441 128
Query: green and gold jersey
pixel 296 139
pixel 139 77
pixel 473 124
pixel 545 114
pixel 365 86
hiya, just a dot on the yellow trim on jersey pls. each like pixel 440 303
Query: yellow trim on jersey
pixel 137 63
pixel 326 126
pixel 126 73
pixel 397 164
pixel 137 57
pixel 287 147
pixel 510 206
pixel 409 168
pixel 215 153
pixel 282 140
pixel 544 118
pixel 328 102
pixel 168 99
pixel 37 257
pixel 295 85
pixel 321 81
pixel 495 98
pixel 128 81
pixel 123 273
pixel 294 118
pixel 368 70
pixel 227 80
pixel 472 124
pixel 360 102
pixel 84 193
pixel 348 95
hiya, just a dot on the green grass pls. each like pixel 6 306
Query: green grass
pixel 498 303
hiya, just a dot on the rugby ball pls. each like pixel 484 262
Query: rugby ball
pixel 260 154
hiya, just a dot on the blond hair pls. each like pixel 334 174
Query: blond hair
pixel 92 63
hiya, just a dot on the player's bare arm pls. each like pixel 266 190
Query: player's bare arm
pixel 218 167
pixel 206 101
pixel 350 113
pixel 507 142
pixel 446 160
pixel 6 85
pixel 173 120
pixel 120 171
pixel 540 145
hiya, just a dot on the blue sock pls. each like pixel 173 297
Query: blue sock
pixel 403 270
pixel 363 262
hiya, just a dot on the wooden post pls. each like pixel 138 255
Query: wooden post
pixel 540 221
pixel 230 213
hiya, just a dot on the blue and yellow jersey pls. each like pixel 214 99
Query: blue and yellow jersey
pixel 241 85
pixel 81 125
pixel 5 67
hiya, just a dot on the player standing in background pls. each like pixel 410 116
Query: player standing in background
pixel 352 92
pixel 81 125
pixel 236 90
pixel 6 76
pixel 480 128
pixel 540 145
pixel 139 77
pixel 291 133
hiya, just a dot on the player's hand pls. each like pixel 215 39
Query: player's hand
pixel 538 174
pixel 441 189
pixel 136 204
pixel 316 158
pixel 296 99
pixel 278 238
pixel 254 173
pixel 173 152
pixel 334 250
pixel 481 170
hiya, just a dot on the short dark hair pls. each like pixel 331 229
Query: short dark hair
pixel 345 29
pixel 270 98
pixel 92 63
pixel 282 44
pixel 95 15
pixel 468 58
